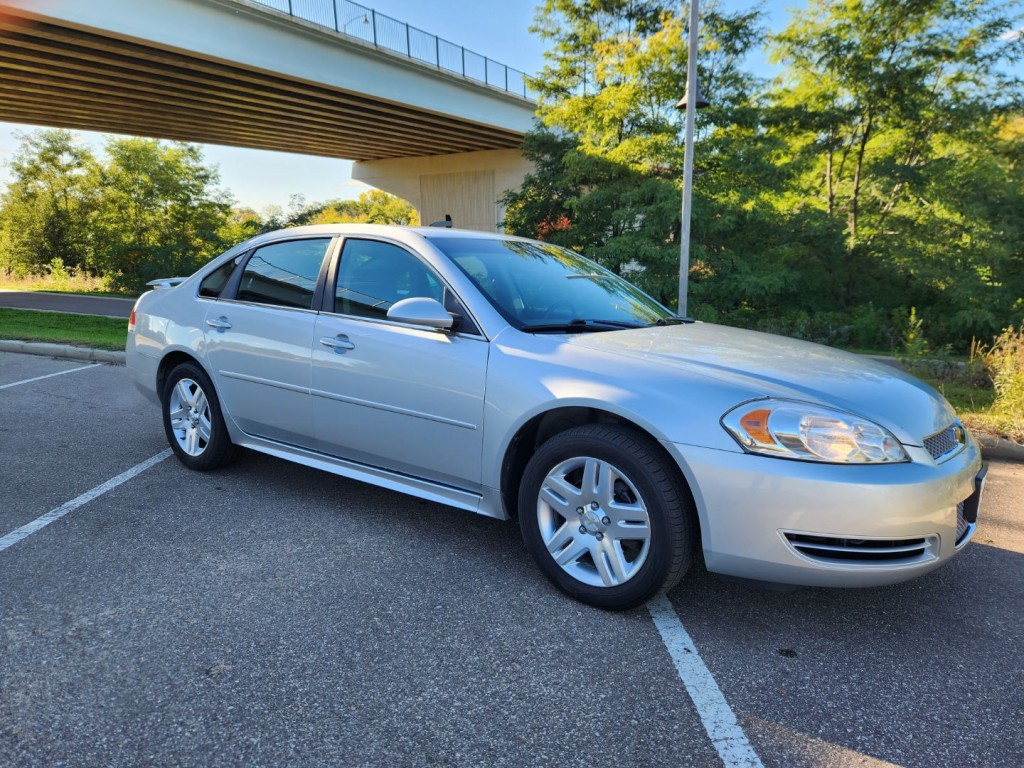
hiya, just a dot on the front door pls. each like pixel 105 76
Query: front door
pixel 390 395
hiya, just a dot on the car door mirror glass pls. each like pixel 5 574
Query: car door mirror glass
pixel 421 310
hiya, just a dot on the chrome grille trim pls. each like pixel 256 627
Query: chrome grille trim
pixel 946 443
pixel 848 551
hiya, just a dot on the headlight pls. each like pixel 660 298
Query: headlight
pixel 795 430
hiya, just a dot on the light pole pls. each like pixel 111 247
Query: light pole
pixel 363 16
pixel 692 101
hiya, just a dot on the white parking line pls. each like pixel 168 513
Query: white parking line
pixel 28 529
pixel 715 713
pixel 50 375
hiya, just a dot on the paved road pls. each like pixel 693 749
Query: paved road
pixel 270 614
pixel 67 302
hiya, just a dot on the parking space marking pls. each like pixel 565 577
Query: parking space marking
pixel 715 713
pixel 53 515
pixel 50 375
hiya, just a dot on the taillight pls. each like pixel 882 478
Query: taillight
pixel 131 321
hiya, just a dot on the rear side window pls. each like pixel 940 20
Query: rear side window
pixel 284 274
pixel 214 282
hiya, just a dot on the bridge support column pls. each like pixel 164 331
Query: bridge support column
pixel 467 185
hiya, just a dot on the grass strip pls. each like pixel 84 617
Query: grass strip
pixel 60 328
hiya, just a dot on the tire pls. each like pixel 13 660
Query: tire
pixel 606 517
pixel 193 421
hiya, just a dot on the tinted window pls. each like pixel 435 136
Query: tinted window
pixel 214 282
pixel 373 275
pixel 535 283
pixel 284 273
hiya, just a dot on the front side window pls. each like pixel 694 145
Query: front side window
pixel 373 276
pixel 284 274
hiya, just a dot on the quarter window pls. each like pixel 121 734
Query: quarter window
pixel 214 282
pixel 284 274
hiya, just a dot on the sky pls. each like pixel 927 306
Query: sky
pixel 498 30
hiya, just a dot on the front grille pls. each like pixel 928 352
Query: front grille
pixel 831 549
pixel 944 444
pixel 963 528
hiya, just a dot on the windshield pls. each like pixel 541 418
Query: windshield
pixel 543 288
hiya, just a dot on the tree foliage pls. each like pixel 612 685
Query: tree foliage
pixel 372 207
pixel 44 212
pixel 147 209
pixel 158 212
pixel 881 170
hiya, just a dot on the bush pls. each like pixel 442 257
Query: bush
pixel 1004 361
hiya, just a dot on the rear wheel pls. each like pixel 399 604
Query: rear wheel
pixel 606 517
pixel 193 421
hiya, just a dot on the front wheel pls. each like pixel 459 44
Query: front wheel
pixel 606 517
pixel 193 421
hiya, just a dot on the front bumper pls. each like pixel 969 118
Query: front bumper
pixel 811 524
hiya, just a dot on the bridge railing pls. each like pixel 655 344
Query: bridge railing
pixel 364 23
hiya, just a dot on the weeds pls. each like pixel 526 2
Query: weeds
pixel 58 278
pixel 1004 362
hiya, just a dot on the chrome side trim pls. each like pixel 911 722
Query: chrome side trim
pixel 392 409
pixel 394 481
pixel 267 382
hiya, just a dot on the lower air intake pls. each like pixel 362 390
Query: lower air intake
pixel 835 550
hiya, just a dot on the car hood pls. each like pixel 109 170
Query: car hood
pixel 775 366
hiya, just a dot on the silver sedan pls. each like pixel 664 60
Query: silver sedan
pixel 513 378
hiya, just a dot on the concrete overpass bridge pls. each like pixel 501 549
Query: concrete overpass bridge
pixel 420 116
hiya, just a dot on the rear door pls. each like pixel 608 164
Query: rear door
pixel 259 337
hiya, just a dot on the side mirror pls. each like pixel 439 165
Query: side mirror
pixel 422 311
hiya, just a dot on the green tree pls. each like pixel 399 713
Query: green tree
pixel 892 112
pixel 44 210
pixel 159 212
pixel 608 150
pixel 882 171
pixel 373 206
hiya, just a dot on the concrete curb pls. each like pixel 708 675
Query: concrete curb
pixel 63 351
pixel 991 447
pixel 1000 448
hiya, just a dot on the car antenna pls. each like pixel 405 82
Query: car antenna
pixel 446 223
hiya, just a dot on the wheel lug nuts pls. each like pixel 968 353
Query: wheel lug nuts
pixel 579 511
pixel 598 535
pixel 605 520
pixel 583 529
pixel 594 505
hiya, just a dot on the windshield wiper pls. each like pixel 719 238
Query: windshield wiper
pixel 579 325
pixel 674 320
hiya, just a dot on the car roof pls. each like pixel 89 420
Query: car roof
pixel 379 229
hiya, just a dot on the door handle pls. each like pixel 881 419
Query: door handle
pixel 221 323
pixel 337 342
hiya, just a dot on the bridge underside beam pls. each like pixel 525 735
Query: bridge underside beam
pixel 66 76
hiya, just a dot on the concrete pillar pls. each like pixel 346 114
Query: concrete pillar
pixel 467 186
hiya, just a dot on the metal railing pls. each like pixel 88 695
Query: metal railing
pixel 382 31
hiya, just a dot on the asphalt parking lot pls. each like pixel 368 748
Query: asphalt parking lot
pixel 270 614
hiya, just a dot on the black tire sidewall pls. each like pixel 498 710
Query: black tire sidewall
pixel 667 511
pixel 219 449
